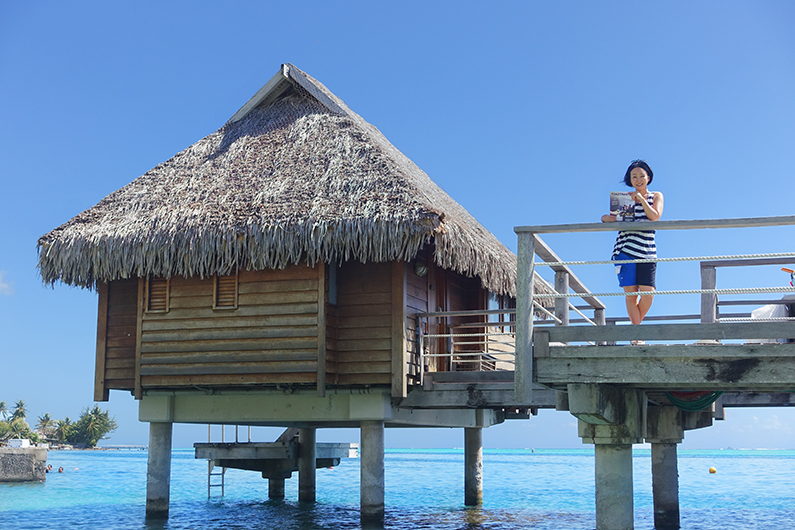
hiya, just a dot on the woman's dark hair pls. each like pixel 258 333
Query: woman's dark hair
pixel 641 164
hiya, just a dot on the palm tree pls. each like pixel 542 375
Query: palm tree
pixel 62 428
pixel 19 428
pixel 20 412
pixel 45 424
pixel 3 410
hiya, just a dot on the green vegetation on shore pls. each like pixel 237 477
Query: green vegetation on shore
pixel 93 425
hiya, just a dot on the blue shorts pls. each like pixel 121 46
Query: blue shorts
pixel 635 273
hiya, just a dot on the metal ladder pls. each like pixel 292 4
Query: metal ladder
pixel 211 474
pixel 211 467
pixel 220 475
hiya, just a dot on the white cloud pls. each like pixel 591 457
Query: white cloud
pixel 5 286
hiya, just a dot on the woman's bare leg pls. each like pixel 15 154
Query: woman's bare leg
pixel 632 304
pixel 645 301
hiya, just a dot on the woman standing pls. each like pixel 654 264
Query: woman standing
pixel 638 244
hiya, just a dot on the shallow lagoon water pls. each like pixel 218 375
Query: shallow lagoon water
pixel 523 489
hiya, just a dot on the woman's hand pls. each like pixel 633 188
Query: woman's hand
pixel 637 197
pixel 608 218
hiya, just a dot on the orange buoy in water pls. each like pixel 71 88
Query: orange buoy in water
pixel 713 470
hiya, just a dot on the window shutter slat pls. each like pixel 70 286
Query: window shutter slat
pixel 157 297
pixel 226 292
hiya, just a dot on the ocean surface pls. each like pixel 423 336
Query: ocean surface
pixel 523 489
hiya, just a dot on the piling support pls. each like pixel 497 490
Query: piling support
pixel 611 418
pixel 306 464
pixel 665 428
pixel 158 474
pixel 372 471
pixel 614 501
pixel 275 488
pixel 473 466
pixel 665 486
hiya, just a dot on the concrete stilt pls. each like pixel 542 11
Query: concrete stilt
pixel 612 419
pixel 665 486
pixel 473 466
pixel 372 471
pixel 614 503
pixel 306 464
pixel 275 488
pixel 665 429
pixel 158 474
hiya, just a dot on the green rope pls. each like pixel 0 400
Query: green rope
pixel 696 404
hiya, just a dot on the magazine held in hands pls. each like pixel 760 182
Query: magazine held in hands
pixel 622 205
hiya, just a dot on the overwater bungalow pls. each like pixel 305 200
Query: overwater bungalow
pixel 271 273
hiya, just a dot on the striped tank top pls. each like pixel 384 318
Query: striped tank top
pixel 637 243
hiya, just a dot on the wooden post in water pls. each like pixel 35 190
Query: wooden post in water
pixel 158 474
pixel 473 466
pixel 372 472
pixel 306 464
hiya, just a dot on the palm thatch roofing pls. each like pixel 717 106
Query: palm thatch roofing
pixel 294 176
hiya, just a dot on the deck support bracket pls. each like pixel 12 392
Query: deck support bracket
pixel 608 414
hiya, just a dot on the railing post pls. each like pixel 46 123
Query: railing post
pixel 599 319
pixel 709 302
pixel 562 304
pixel 562 313
pixel 523 376
pixel 421 350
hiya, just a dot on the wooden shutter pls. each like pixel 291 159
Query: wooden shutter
pixel 225 292
pixel 157 295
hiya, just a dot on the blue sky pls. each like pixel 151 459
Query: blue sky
pixel 525 112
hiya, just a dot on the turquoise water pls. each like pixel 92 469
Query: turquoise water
pixel 544 489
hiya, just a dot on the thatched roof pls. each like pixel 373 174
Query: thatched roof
pixel 294 176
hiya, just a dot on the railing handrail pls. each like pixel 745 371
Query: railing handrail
pixel 546 253
pixel 741 222
pixel 664 332
pixel 468 313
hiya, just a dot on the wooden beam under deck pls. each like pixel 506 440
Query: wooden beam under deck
pixel 752 367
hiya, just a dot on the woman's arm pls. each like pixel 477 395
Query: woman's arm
pixel 653 212
pixel 608 218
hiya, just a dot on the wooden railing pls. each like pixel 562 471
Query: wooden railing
pixel 478 341
pixel 530 245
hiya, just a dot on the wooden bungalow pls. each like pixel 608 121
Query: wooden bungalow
pixel 269 274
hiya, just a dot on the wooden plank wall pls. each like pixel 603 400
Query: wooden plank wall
pixel 332 326
pixel 364 324
pixel 272 337
pixel 116 335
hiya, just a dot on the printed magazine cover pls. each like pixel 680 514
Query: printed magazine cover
pixel 622 205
